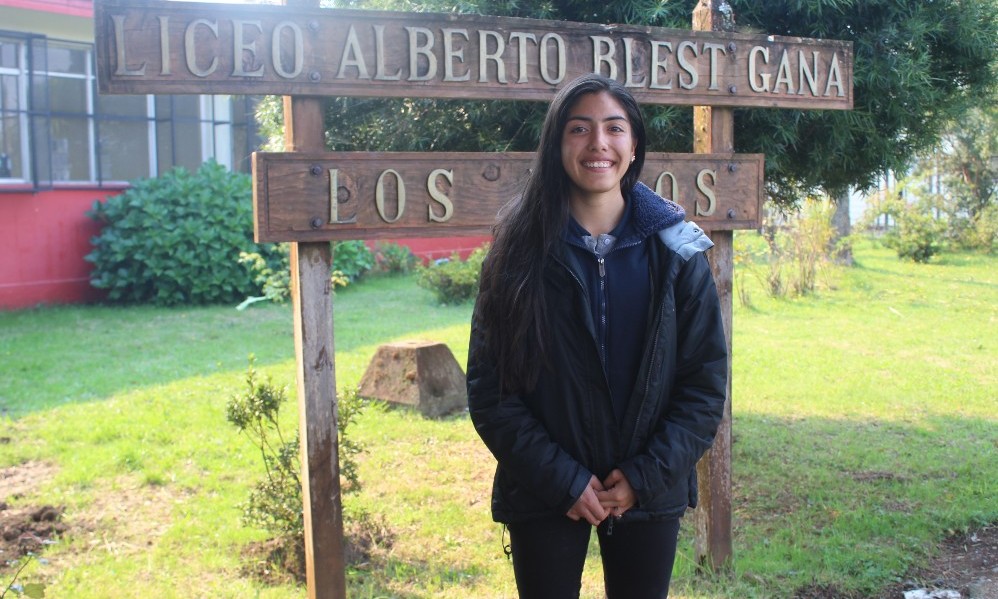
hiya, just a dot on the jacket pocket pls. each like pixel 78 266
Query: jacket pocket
pixel 692 488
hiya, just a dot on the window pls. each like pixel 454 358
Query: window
pixel 55 129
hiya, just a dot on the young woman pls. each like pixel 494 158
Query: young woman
pixel 597 367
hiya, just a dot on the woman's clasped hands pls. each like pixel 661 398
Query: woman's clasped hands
pixel 611 497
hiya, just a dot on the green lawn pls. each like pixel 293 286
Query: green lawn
pixel 865 431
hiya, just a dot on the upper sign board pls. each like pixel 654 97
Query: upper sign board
pixel 168 47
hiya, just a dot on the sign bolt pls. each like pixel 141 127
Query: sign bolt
pixel 731 213
pixel 314 76
pixel 732 167
pixel 733 89
pixel 732 47
pixel 316 222
pixel 313 25
pixel 315 171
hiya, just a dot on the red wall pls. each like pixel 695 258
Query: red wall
pixel 76 8
pixel 441 247
pixel 45 237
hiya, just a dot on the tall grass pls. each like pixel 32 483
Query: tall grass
pixel 865 430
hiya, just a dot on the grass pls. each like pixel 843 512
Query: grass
pixel 865 430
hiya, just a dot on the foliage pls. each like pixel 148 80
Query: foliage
pixel 33 590
pixel 392 258
pixel 797 247
pixel 175 239
pixel 275 504
pixel 274 276
pixel 961 175
pixel 916 234
pixel 916 65
pixel 454 281
pixel 352 259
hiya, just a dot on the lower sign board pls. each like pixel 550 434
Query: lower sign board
pixel 383 195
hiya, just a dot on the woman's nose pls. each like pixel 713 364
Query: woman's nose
pixel 597 141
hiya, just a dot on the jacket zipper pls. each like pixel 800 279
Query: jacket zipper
pixel 602 312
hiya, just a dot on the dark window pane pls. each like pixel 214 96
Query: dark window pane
pixel 70 150
pixel 11 163
pixel 66 60
pixel 124 147
pixel 115 105
pixel 68 95
pixel 9 52
pixel 188 145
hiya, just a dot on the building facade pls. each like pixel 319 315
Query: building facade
pixel 63 146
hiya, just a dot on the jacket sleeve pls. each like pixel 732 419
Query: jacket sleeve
pixel 517 439
pixel 696 401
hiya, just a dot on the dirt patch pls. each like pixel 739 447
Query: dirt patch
pixel 25 531
pixel 24 479
pixel 366 539
pixel 966 563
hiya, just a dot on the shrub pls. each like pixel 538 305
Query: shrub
pixel 275 504
pixel 176 239
pixel 392 258
pixel 352 258
pixel 454 281
pixel 273 276
pixel 797 248
pixel 916 235
pixel 273 273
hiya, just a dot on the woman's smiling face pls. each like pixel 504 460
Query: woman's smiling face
pixel 597 146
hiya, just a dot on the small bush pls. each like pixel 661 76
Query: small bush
pixel 352 259
pixel 275 504
pixel 392 258
pixel 917 234
pixel 797 248
pixel 272 276
pixel 176 239
pixel 454 281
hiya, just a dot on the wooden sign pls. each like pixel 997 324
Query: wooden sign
pixel 157 47
pixel 371 195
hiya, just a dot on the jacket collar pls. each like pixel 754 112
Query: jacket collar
pixel 645 214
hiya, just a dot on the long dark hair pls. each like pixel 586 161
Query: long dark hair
pixel 510 310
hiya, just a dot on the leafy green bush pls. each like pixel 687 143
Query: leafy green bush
pixel 274 276
pixel 795 252
pixel 352 258
pixel 273 273
pixel 275 504
pixel 917 234
pixel 392 258
pixel 454 281
pixel 176 239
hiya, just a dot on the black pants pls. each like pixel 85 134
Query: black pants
pixel 549 554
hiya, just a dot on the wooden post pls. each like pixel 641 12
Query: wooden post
pixel 312 302
pixel 714 132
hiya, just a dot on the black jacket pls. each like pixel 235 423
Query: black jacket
pixel 550 441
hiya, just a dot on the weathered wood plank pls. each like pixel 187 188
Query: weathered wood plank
pixel 312 306
pixel 714 132
pixel 159 46
pixel 393 195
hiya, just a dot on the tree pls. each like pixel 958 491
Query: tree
pixel 968 168
pixel 918 64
